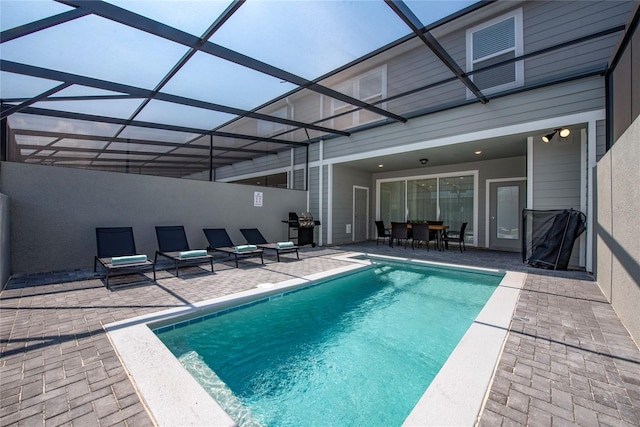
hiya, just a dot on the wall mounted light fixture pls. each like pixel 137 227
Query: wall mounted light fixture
pixel 563 132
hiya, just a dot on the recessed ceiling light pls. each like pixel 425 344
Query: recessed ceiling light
pixel 478 152
pixel 380 166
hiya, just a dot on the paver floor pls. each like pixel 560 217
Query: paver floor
pixel 568 360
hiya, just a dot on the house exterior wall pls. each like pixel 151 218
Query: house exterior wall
pixel 55 212
pixel 556 179
pixel 617 227
pixel 5 247
pixel 515 114
pixel 545 24
pixel 557 173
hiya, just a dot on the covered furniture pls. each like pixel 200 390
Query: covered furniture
pixel 456 237
pixel 383 232
pixel 220 241
pixel 117 252
pixel 254 237
pixel 399 232
pixel 548 236
pixel 173 244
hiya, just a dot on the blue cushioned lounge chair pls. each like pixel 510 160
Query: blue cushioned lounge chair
pixel 220 241
pixel 254 237
pixel 173 244
pixel 117 252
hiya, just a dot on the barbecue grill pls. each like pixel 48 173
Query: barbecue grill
pixel 301 228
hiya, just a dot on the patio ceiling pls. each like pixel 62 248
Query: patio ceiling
pixel 177 88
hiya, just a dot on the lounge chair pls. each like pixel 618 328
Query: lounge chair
pixel 172 244
pixel 254 237
pixel 220 241
pixel 117 252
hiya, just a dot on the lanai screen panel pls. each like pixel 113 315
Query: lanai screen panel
pixel 179 88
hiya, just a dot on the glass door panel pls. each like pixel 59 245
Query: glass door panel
pixel 392 202
pixel 508 212
pixel 456 195
pixel 422 199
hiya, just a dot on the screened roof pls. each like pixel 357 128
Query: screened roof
pixel 176 88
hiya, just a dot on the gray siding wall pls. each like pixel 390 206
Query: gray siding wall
pixel 56 210
pixel 298 179
pixel 5 247
pixel 557 178
pixel 601 139
pixel 545 103
pixel 617 228
pixel 556 174
pixel 555 22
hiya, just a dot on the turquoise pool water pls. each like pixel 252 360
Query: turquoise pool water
pixel 355 350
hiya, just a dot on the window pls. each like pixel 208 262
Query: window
pixel 278 180
pixel 370 87
pixel 491 43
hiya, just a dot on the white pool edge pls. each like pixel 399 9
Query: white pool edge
pixel 456 395
pixel 174 397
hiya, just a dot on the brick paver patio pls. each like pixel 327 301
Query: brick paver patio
pixel 568 360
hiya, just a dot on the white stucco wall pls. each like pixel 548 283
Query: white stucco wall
pixel 618 227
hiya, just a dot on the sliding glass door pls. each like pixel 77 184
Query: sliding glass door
pixel 450 199
pixel 422 199
pixel 392 202
pixel 456 202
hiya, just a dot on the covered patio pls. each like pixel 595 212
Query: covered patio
pixel 567 358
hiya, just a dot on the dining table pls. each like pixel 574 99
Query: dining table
pixel 438 228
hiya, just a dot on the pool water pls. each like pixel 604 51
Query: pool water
pixel 355 350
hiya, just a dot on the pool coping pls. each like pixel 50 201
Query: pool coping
pixel 455 396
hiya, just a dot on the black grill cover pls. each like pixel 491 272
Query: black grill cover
pixel 549 237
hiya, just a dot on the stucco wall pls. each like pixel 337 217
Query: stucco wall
pixel 54 212
pixel 618 228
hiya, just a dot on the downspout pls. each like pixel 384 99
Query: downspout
pixel 211 158
pixel 529 172
pixel 320 189
pixel 292 170
pixel 329 203
pixel 590 137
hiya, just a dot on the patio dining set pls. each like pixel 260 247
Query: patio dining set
pixel 420 233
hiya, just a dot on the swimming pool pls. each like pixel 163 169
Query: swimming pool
pixel 365 344
pixel 455 395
